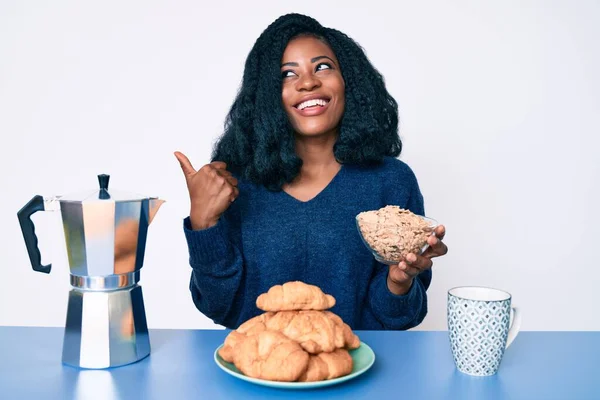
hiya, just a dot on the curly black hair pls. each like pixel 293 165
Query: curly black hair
pixel 258 143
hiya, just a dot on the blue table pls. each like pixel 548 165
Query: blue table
pixel 409 365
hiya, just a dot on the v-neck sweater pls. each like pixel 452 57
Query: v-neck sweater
pixel 267 238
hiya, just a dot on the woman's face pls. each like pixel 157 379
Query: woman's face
pixel 313 87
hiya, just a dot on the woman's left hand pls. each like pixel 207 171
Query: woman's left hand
pixel 400 276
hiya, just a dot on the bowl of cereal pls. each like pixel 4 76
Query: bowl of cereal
pixel 391 233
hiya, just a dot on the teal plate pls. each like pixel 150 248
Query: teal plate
pixel 363 358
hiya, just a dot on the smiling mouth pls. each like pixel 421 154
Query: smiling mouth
pixel 312 103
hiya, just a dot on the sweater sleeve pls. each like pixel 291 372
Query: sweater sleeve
pixel 217 270
pixel 400 312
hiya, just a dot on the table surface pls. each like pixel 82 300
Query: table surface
pixel 408 365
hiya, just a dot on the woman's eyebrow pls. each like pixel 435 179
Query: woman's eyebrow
pixel 312 60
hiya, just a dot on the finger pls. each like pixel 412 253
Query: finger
pixel 230 193
pixel 440 248
pixel 436 247
pixel 406 269
pixel 185 163
pixel 219 165
pixel 429 253
pixel 234 195
pixel 419 262
pixel 231 179
pixel 440 232
pixel 397 274
pixel 228 176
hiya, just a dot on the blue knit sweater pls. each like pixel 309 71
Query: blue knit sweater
pixel 267 238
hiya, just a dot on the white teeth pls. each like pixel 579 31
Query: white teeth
pixel 312 103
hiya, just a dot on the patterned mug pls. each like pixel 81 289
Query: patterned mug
pixel 480 328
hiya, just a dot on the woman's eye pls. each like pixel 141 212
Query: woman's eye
pixel 323 66
pixel 287 74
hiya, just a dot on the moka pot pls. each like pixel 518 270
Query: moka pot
pixel 105 235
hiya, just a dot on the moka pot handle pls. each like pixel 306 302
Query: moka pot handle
pixel 28 228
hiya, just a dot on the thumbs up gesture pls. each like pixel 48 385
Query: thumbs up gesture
pixel 212 189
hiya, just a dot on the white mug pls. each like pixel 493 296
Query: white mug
pixel 480 328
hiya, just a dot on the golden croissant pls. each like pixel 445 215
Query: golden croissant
pixel 324 366
pixel 315 331
pixel 270 355
pixel 294 295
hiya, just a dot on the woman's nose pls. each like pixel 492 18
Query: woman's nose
pixel 308 82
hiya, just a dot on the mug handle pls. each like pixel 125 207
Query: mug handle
pixel 513 331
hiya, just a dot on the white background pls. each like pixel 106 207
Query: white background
pixel 499 105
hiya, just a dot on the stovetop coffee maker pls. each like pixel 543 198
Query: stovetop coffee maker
pixel 105 234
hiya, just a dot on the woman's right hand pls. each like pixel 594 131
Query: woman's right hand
pixel 212 189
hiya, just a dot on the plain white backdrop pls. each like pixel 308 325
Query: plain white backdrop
pixel 499 105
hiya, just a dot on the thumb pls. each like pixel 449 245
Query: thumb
pixel 185 163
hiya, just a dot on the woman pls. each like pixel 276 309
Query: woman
pixel 309 142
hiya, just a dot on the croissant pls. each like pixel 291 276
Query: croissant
pixel 226 352
pixel 324 366
pixel 251 327
pixel 315 331
pixel 270 355
pixel 351 340
pixel 255 325
pixel 294 295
